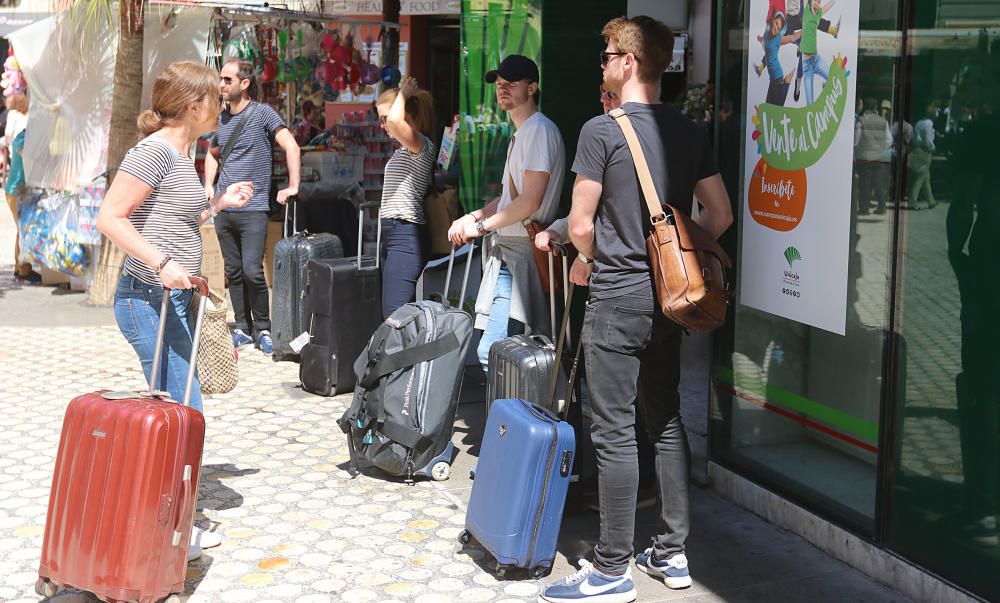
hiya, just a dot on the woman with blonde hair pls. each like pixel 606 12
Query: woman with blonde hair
pixel 153 212
pixel 407 115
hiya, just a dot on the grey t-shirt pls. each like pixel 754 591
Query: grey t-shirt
pixel 678 154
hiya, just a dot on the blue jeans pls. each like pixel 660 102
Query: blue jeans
pixel 811 66
pixel 403 260
pixel 500 325
pixel 137 312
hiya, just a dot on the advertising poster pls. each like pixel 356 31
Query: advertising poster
pixel 799 154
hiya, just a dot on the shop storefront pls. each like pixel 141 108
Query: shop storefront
pixel 855 377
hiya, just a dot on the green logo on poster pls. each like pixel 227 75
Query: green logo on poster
pixel 792 254
pixel 794 138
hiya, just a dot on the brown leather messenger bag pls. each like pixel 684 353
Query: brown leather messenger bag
pixel 689 266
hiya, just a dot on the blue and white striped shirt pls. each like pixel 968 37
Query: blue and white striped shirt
pixel 251 156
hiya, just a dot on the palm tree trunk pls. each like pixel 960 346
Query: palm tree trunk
pixel 124 111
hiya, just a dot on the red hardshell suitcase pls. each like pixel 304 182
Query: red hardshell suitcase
pixel 124 492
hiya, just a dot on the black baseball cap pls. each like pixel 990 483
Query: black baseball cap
pixel 514 68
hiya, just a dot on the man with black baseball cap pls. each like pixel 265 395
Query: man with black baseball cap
pixel 511 298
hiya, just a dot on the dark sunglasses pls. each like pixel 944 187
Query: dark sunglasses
pixel 227 80
pixel 606 56
pixel 382 118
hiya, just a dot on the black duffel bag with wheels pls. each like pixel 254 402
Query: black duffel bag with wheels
pixel 409 380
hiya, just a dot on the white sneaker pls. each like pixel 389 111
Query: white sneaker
pixel 194 551
pixel 205 539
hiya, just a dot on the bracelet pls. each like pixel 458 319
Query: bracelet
pixel 481 227
pixel 163 264
pixel 211 210
pixel 584 259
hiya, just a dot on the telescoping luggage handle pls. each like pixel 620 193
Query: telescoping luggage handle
pixel 295 217
pixel 465 277
pixel 564 334
pixel 362 207
pixel 201 288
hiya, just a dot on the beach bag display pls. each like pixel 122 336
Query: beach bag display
pixel 50 234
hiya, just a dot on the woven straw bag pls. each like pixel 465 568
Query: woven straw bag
pixel 217 369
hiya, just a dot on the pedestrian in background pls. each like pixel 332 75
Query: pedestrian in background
pixel 308 127
pixel 407 116
pixel 921 156
pixel 631 349
pixel 511 297
pixel 872 155
pixel 254 128
pixel 17 120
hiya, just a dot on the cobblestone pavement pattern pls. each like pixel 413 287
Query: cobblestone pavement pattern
pixel 295 526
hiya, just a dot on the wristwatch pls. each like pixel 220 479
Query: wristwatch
pixel 584 259
pixel 481 227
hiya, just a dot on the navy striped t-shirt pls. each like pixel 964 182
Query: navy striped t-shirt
pixel 251 156
pixel 169 217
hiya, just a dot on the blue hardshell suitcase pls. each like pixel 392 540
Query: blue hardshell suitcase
pixel 520 486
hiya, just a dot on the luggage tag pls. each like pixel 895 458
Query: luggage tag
pixel 299 342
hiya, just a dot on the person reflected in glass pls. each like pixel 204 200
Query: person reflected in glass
pixel 973 229
pixel 872 155
pixel 921 155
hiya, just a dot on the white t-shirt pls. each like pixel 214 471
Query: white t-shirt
pixel 16 121
pixel 538 147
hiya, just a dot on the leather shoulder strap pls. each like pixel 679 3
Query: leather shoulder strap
pixel 639 159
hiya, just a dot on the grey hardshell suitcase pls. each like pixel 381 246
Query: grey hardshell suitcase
pixel 521 366
pixel 289 315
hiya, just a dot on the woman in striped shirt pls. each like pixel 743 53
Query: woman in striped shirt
pixel 153 211
pixel 407 115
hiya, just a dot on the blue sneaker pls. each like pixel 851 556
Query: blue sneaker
pixel 673 571
pixel 264 343
pixel 240 338
pixel 591 586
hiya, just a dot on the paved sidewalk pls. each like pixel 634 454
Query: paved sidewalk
pixel 296 528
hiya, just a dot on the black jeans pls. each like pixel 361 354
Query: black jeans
pixel 402 257
pixel 242 237
pixel 633 357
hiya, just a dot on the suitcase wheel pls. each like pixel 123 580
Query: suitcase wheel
pixel 501 570
pixel 46 588
pixel 441 471
pixel 540 572
pixel 465 537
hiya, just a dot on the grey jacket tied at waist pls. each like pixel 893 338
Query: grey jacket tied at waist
pixel 528 302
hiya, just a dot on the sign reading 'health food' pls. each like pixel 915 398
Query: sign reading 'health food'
pixel 799 155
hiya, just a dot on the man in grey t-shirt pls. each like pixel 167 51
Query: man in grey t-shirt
pixel 632 351
pixel 243 232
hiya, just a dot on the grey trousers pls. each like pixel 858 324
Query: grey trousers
pixel 633 357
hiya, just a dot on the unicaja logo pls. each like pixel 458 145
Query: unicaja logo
pixel 791 255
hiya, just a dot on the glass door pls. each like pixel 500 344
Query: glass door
pixel 798 392
pixel 946 478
